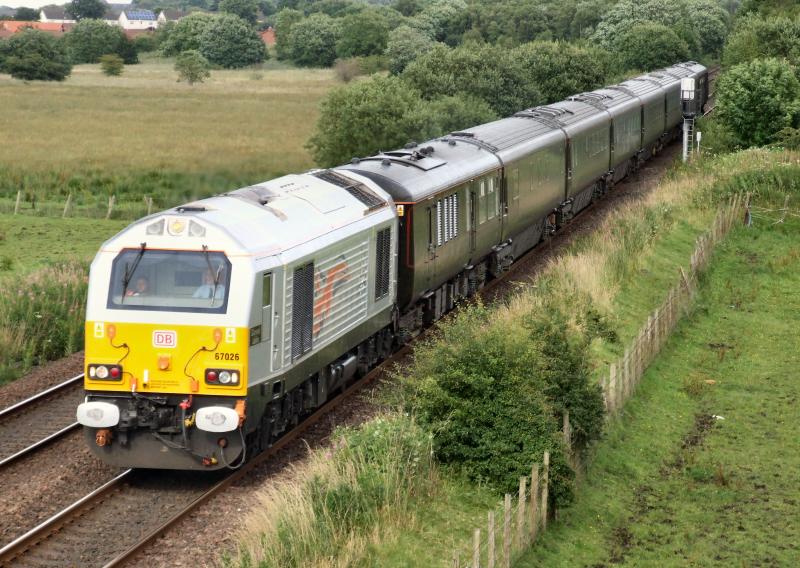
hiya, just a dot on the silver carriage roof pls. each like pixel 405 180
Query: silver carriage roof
pixel 421 170
pixel 274 216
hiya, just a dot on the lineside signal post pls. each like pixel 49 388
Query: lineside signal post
pixel 689 110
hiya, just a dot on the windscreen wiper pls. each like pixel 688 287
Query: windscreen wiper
pixel 212 271
pixel 126 278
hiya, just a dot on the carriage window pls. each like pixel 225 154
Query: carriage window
pixel 493 205
pixel 514 181
pixel 169 280
pixel 482 202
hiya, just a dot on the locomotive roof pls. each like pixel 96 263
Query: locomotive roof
pixel 270 217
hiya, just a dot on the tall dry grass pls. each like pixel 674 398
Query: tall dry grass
pixel 329 510
pixel 42 315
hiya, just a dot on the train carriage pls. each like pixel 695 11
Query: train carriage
pixel 214 327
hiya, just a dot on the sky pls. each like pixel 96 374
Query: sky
pixel 40 3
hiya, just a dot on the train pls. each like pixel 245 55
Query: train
pixel 214 327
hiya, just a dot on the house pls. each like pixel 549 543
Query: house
pixel 9 27
pixel 55 15
pixel 165 16
pixel 111 16
pixel 138 20
pixel 268 36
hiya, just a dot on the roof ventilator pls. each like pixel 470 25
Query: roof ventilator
pixel 357 189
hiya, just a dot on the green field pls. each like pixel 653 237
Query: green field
pixel 701 469
pixel 146 134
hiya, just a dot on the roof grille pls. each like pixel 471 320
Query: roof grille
pixel 357 189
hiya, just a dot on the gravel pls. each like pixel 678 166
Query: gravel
pixel 41 378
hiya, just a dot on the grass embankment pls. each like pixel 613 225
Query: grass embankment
pixel 603 289
pixel 145 134
pixel 43 268
pixel 702 468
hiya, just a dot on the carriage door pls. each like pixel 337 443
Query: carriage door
pixel 472 219
pixel 431 243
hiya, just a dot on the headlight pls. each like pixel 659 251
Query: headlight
pixel 217 419
pixel 224 377
pixel 96 414
pixel 101 372
pixel 105 372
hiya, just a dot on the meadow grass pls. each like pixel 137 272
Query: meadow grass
pixel 671 485
pixel 145 134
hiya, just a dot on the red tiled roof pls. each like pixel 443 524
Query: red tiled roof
pixel 52 27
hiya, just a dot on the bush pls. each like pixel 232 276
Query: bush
pixel 361 118
pixel 245 9
pixel 91 39
pixel 363 33
pixel 146 43
pixel 404 45
pixel 431 119
pixel 347 69
pixel 757 38
pixel 192 67
pixel 112 65
pixel 650 46
pixel 561 69
pixel 313 41
pixel 494 400
pixel 185 34
pixel 487 72
pixel 284 22
pixel 756 100
pixel 34 55
pixel 230 42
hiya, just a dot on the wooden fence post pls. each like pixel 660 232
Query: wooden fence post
pixel 507 531
pixel 19 199
pixel 476 549
pixel 111 201
pixel 521 513
pixel 626 372
pixel 612 387
pixel 545 488
pixel 148 201
pixel 456 560
pixel 66 205
pixel 567 430
pixel 491 553
pixel 533 511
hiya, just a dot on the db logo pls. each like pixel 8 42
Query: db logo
pixel 165 339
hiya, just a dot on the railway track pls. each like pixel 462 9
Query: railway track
pixel 36 422
pixel 80 534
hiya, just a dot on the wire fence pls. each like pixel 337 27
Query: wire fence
pixel 516 522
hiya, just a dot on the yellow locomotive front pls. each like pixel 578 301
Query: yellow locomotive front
pixel 166 365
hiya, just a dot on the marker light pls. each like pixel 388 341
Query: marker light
pixel 211 376
pixel 101 372
pixel 105 372
pixel 224 377
pixel 98 414
pixel 114 372
pixel 216 419
pixel 196 229
pixel 156 228
pixel 176 227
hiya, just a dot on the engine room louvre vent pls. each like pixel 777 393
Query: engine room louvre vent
pixel 357 189
pixel 382 262
pixel 302 309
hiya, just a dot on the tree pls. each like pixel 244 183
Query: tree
pixel 34 55
pixel 90 39
pixel 404 45
pixel 362 118
pixel 710 22
pixel 245 9
pixel 561 69
pixel 186 32
pixel 407 7
pixel 192 67
pixel 756 100
pixel 231 42
pixel 24 14
pixel 487 72
pixel 363 33
pixel 314 40
pixel 649 46
pixel 757 38
pixel 284 22
pixel 86 9
pixel 431 119
pixel 112 64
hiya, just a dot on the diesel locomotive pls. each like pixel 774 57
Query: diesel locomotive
pixel 214 327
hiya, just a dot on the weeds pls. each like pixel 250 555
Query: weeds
pixel 41 317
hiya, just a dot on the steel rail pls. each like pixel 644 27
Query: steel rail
pixel 40 444
pixel 39 396
pixel 52 525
